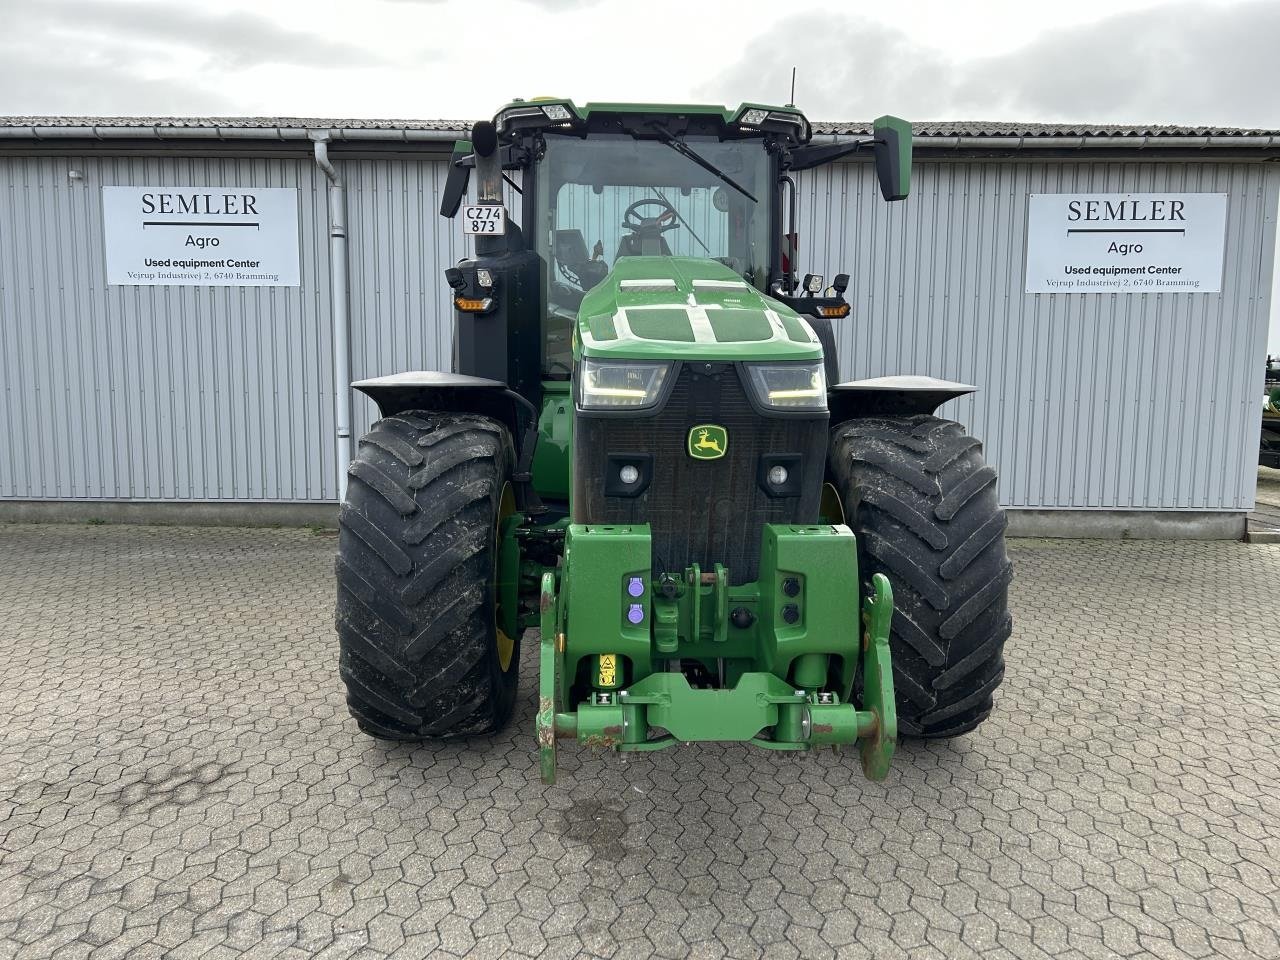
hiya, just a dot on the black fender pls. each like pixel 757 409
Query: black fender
pixel 898 396
pixel 458 393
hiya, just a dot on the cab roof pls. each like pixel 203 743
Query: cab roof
pixel 744 120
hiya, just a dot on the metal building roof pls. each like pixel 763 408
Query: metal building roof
pixel 984 128
pixel 948 128
pixel 961 134
pixel 236 123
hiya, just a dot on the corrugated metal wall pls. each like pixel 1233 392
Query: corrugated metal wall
pixel 1097 400
pixel 400 246
pixel 157 393
pixel 1123 401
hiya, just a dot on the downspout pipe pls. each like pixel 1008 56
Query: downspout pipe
pixel 339 308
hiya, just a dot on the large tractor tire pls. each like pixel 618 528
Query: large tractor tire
pixel 421 649
pixel 922 503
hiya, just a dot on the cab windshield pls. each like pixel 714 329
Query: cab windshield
pixel 614 196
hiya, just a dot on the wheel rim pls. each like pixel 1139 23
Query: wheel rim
pixel 506 645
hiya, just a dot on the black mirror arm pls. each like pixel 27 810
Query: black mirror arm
pixel 460 167
pixel 513 158
pixel 815 155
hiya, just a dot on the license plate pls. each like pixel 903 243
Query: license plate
pixel 489 219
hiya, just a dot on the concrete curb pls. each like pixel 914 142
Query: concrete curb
pixel 1262 533
pixel 1127 524
pixel 170 513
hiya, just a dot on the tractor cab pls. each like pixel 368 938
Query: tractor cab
pixel 603 182
pixel 601 200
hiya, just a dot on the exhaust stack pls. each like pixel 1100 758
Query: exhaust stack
pixel 484 141
pixel 488 161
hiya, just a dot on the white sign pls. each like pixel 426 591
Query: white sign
pixel 195 236
pixel 487 218
pixel 1126 242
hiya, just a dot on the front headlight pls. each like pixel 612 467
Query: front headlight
pixel 789 386
pixel 615 385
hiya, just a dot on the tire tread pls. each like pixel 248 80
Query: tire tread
pixel 923 505
pixel 416 549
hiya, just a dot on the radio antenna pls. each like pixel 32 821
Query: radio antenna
pixel 792 101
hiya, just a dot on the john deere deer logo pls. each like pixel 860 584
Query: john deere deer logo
pixel 708 441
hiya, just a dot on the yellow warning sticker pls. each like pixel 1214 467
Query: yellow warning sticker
pixel 608 670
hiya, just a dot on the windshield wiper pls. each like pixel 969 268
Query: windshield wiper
pixel 705 164
pixel 685 223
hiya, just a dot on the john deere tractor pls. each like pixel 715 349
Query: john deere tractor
pixel 645 451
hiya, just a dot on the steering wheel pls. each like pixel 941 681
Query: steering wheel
pixel 666 220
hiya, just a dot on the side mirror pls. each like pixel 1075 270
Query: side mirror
pixel 893 157
pixel 455 184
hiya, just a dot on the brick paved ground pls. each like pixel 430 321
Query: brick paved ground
pixel 179 778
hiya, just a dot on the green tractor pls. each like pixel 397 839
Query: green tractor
pixel 644 449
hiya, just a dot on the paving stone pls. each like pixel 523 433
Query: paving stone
pixel 179 778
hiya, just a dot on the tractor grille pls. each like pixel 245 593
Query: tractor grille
pixel 700 511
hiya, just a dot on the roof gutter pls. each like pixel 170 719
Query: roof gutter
pixel 1268 142
pixel 1125 143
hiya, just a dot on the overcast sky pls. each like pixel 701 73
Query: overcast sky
pixel 1210 62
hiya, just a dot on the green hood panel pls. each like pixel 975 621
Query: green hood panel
pixel 660 308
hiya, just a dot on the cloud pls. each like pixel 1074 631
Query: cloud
pixel 88 56
pixel 1187 63
pixel 866 69
pixel 545 4
pixel 1184 63
pixel 234 37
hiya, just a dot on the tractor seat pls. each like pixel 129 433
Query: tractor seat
pixel 632 245
pixel 571 252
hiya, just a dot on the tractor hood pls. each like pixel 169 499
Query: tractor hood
pixel 660 308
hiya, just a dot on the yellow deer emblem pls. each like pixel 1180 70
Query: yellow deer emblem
pixel 708 441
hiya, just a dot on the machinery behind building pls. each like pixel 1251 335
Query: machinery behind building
pixel 1269 446
pixel 644 449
